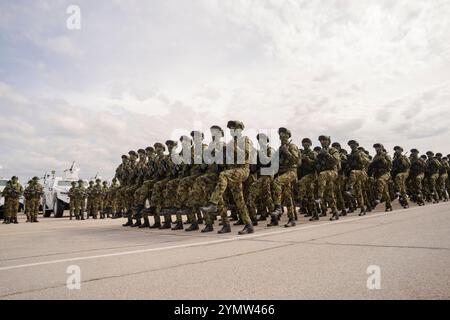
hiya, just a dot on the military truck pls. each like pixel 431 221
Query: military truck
pixel 56 192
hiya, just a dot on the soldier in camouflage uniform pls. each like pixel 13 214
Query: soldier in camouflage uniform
pixel 400 173
pixel 36 192
pixel 380 169
pixel 121 176
pixel 308 178
pixel 213 164
pixel 432 176
pixel 27 200
pixel 238 170
pixel 447 158
pixel 12 192
pixel 113 196
pixel 136 176
pixel 416 176
pixel 71 195
pixel 261 189
pixel 328 165
pixel 166 172
pixel 90 204
pixel 357 161
pixel 190 173
pixel 341 181
pixel 289 160
pixel 154 173
pixel 129 187
pixel 105 203
pixel 80 200
pixel 441 184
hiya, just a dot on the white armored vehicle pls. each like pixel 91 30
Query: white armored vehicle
pixel 56 192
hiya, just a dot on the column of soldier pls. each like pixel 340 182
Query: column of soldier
pixel 326 178
pixel 319 181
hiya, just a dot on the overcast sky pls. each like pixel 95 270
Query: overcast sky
pixel 144 71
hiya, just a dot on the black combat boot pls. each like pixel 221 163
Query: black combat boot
pixel 129 222
pixel 291 223
pixel 178 226
pixel 6 220
pixel 167 224
pixel 273 220
pixel 15 220
pixel 344 213
pixel 362 212
pixel 146 223
pixel 226 228
pixel 35 219
pixel 388 207
pixel 156 225
pixel 255 222
pixel 335 216
pixel 193 227
pixel 208 228
pixel 247 229
pixel 137 223
pixel 210 208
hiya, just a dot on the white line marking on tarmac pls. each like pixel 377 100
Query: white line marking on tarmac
pixel 196 244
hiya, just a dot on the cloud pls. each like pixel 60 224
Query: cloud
pixel 144 71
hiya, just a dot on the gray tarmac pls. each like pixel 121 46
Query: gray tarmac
pixel 314 260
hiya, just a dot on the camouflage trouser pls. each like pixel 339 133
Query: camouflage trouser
pixel 200 193
pixel 11 207
pixel 184 187
pixel 130 196
pixel 442 186
pixel 282 190
pixel 93 207
pixel 417 184
pixel 233 179
pixel 122 197
pixel 326 182
pixel 144 193
pixel 27 204
pixel 382 188
pixel 340 186
pixel 157 199
pixel 71 207
pixel 261 190
pixel 34 208
pixel 170 196
pixel 306 187
pixel 432 186
pixel 357 182
pixel 400 183
pixel 79 207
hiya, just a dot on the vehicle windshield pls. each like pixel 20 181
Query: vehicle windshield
pixel 3 183
pixel 64 183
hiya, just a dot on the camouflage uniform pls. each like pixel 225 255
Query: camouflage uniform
pixel 289 159
pixel 36 193
pixel 432 176
pixel 441 184
pixel 80 200
pixel 308 177
pixel 71 195
pixel 27 200
pixel 357 161
pixel 400 172
pixel 91 207
pixel 166 172
pixel 261 188
pixel 105 204
pixel 238 150
pixel 327 165
pixel 416 176
pixel 380 169
pixel 204 185
pixel 12 192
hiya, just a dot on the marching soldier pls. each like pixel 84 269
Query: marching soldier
pixel 289 159
pixel 400 172
pixel 380 169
